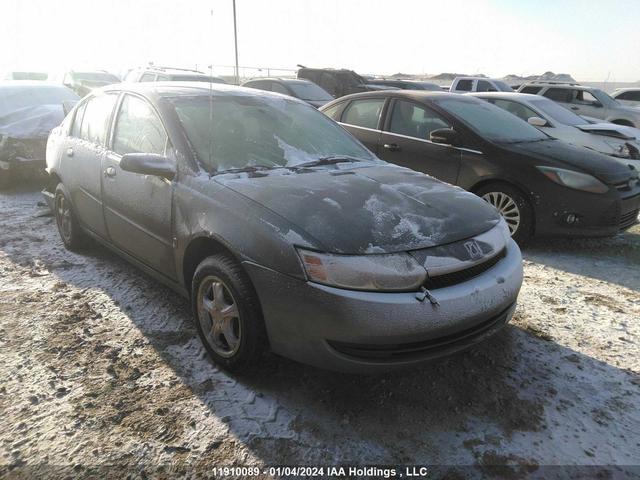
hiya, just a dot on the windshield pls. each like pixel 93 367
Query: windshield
pixel 557 112
pixel 17 98
pixel 309 91
pixel 605 98
pixel 95 77
pixel 252 131
pixel 503 87
pixel 489 121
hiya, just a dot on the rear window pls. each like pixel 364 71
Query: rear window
pixel 17 98
pixel 633 96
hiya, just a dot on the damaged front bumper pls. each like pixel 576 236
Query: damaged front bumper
pixel 356 331
pixel 22 157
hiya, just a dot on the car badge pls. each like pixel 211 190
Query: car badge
pixel 473 249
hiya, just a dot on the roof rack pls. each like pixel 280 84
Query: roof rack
pixel 551 82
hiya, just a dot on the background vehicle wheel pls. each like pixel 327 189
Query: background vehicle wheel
pixel 227 314
pixel 513 207
pixel 72 235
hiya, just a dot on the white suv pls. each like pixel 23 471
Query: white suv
pixel 585 101
pixel 478 84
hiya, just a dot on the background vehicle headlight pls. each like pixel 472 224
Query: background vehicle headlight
pixel 392 272
pixel 576 180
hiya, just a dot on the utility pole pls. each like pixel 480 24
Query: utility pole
pixel 235 37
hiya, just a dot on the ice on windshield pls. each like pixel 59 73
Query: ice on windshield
pixel 239 131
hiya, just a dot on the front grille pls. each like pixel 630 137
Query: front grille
pixel 628 219
pixel 432 346
pixel 453 278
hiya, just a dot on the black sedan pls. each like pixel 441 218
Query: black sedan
pixel 540 185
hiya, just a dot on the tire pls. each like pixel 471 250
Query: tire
pixel 68 227
pixel 514 208
pixel 232 328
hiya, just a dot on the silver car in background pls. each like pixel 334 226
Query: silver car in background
pixel 617 141
pixel 586 101
pixel 627 96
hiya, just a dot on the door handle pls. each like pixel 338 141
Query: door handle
pixel 393 147
pixel 575 108
pixel 69 152
pixel 110 172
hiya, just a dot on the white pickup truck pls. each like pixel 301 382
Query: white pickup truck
pixel 478 84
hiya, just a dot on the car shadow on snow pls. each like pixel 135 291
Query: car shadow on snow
pixel 615 260
pixel 514 400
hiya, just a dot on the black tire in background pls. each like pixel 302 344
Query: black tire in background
pixel 70 232
pixel 514 208
pixel 239 340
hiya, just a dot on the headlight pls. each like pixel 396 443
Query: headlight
pixel 577 180
pixel 392 272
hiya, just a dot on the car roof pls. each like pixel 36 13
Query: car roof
pixel 177 89
pixel 279 79
pixel 627 89
pixel 571 86
pixel 417 95
pixel 30 84
pixel 506 95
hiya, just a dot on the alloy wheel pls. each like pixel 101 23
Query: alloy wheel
pixel 63 217
pixel 507 207
pixel 219 316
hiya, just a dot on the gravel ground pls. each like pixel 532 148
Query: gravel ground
pixel 101 366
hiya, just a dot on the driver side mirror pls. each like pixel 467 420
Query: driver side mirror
pixel 445 136
pixel 537 121
pixel 148 164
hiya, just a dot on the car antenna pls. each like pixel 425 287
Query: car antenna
pixel 211 117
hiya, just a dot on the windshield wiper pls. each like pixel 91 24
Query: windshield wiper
pixel 329 160
pixel 248 169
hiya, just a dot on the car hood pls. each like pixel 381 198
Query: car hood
pixel 367 208
pixel 567 155
pixel 611 130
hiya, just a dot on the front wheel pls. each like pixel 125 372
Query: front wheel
pixel 227 314
pixel 514 208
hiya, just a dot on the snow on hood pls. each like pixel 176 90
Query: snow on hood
pixel 370 209
pixel 612 130
pixel 31 122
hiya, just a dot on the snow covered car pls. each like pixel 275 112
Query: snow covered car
pixel 617 141
pixel 29 110
pixel 629 96
pixel 284 230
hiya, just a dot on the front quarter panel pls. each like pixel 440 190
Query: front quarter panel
pixel 207 209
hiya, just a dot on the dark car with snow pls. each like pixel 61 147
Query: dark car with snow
pixel 283 230
pixel 339 82
pixel 294 87
pixel 540 185
pixel 29 110
pixel 83 82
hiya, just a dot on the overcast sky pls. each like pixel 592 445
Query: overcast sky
pixel 590 39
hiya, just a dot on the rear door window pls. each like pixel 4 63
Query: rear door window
pixel 138 128
pixel 96 118
pixel 519 110
pixel 531 90
pixel 415 120
pixel 563 95
pixel 464 85
pixel 332 112
pixel 364 113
